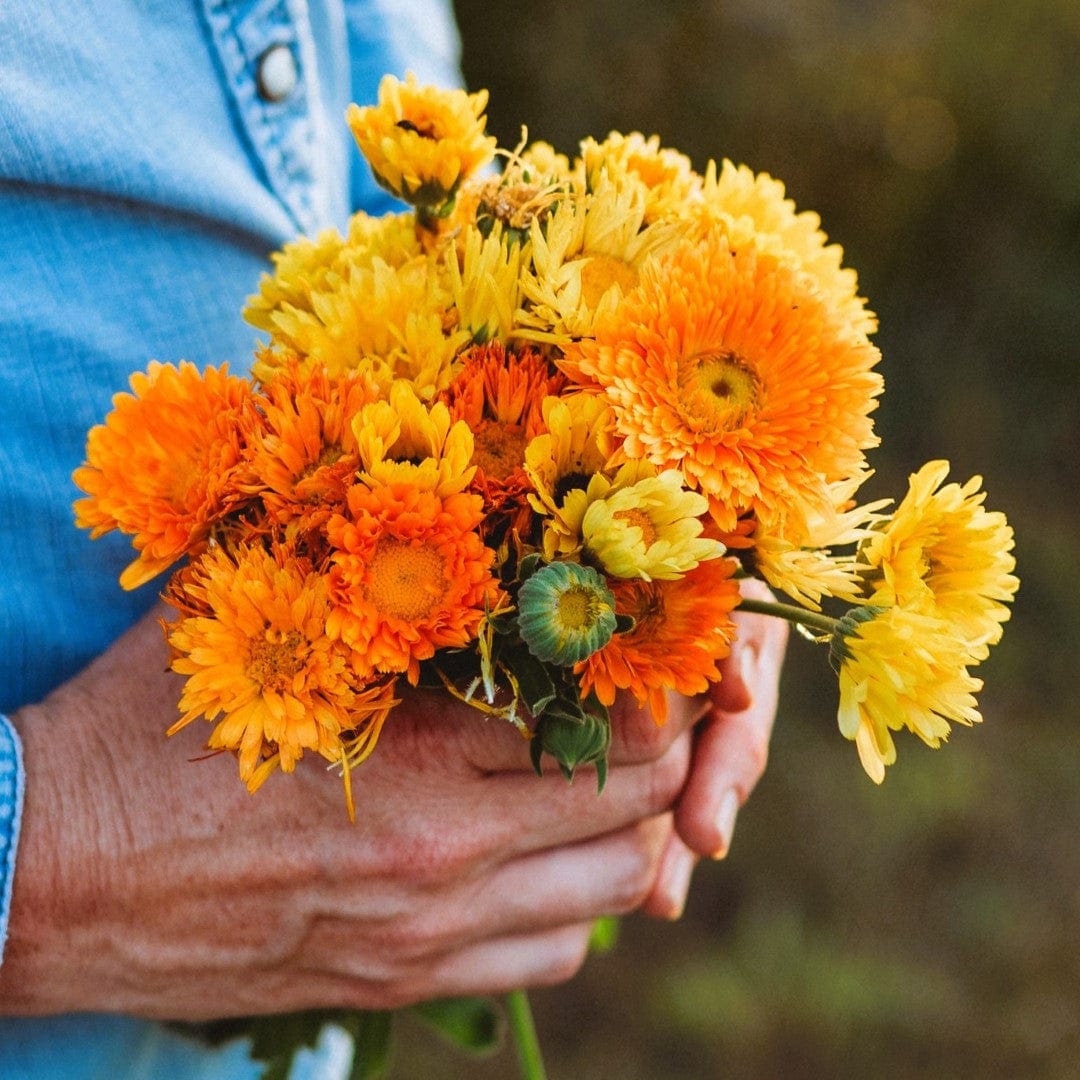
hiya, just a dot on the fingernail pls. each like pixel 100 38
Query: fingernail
pixel 725 821
pixel 678 867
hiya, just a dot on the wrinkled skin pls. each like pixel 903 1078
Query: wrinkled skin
pixel 151 885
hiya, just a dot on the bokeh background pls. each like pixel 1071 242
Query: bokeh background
pixel 927 928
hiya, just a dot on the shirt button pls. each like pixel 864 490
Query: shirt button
pixel 276 73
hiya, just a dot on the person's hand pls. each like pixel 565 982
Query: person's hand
pixel 730 751
pixel 150 884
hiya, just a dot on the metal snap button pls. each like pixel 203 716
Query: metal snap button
pixel 276 74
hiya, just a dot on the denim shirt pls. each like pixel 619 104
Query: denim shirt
pixel 152 154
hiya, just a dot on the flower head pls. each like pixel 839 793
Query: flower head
pixel 410 575
pixel 682 628
pixel 721 363
pixel 565 612
pixel 900 668
pixel 421 141
pixel 648 529
pixel 253 644
pixel 944 552
pixel 161 467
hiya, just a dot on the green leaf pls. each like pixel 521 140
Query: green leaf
pixel 474 1024
pixel 574 738
pixel 529 565
pixel 534 679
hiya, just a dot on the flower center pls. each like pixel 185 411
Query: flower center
pixel 576 608
pixel 720 390
pixel 499 449
pixel 405 581
pixel 273 661
pixel 600 272
pixel 642 520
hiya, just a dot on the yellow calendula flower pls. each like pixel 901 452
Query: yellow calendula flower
pixel 561 461
pixel 648 529
pixel 485 287
pixel 942 550
pixel 796 553
pixel 752 208
pixel 402 442
pixel 585 255
pixel 422 141
pixel 666 176
pixel 388 321
pixel 900 668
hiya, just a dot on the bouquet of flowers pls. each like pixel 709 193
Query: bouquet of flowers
pixel 522 441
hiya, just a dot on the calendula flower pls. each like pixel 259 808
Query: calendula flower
pixel 161 466
pixel 796 553
pixel 422 141
pixel 562 460
pixel 499 394
pixel 410 575
pixel 303 456
pixel 486 286
pixel 942 550
pixel 402 441
pixel 585 254
pixel 565 612
pixel 722 364
pixel 900 668
pixel 665 175
pixel 649 529
pixel 389 321
pixel 752 208
pixel 259 663
pixel 682 628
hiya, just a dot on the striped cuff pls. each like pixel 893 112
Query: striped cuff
pixel 11 799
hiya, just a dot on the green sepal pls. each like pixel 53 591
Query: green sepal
pixel 473 1024
pixel 846 626
pixel 624 623
pixel 535 683
pixel 529 565
pixel 503 623
pixel 574 737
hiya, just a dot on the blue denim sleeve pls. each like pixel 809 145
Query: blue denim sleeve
pixel 11 796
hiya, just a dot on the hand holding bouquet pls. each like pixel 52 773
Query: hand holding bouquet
pixel 522 442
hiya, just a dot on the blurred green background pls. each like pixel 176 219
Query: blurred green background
pixel 927 928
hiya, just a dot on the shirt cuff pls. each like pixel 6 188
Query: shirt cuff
pixel 12 784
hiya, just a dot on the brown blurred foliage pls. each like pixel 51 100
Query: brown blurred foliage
pixel 927 928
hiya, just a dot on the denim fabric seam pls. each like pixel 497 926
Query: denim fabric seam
pixel 12 788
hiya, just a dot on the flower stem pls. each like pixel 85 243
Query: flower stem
pixel 794 614
pixel 524 1030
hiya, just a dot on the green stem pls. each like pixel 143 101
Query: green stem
pixel 813 619
pixel 524 1030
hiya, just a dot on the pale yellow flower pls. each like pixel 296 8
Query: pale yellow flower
pixel 648 529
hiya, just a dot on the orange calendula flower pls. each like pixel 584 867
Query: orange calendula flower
pixel 944 552
pixel 682 628
pixel 410 575
pixel 161 466
pixel 254 646
pixel 723 364
pixel 421 141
